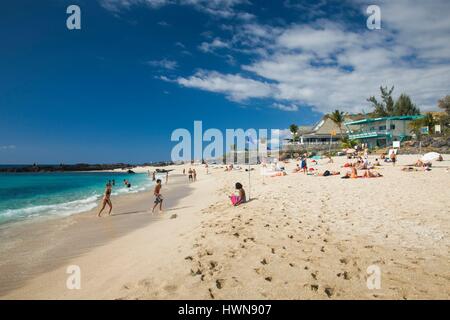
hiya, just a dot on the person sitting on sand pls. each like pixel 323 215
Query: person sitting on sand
pixel 106 200
pixel 238 199
pixel 158 196
pixel 377 163
pixel 297 168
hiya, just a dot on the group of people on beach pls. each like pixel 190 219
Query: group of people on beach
pixel 192 174
pixel 106 200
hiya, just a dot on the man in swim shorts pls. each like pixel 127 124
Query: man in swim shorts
pixel 158 196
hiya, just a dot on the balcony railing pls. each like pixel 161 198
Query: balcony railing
pixel 369 134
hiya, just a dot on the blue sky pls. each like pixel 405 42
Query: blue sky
pixel 138 69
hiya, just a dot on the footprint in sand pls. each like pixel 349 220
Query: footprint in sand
pixel 220 283
pixel 329 291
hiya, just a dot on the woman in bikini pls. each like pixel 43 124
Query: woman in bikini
pixel 106 200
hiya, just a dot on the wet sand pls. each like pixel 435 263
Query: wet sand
pixel 299 237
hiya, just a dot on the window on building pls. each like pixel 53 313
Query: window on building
pixel 392 126
pixel 381 128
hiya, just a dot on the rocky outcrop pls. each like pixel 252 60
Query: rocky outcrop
pixel 67 168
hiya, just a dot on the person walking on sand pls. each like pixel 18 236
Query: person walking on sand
pixel 393 158
pixel 167 177
pixel 304 165
pixel 106 200
pixel 207 168
pixel 190 175
pixel 194 174
pixel 158 196
pixel 154 176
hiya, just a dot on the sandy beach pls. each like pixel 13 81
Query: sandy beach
pixel 299 237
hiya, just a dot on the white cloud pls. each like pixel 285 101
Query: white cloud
pixel 213 45
pixel 285 107
pixel 235 87
pixel 216 8
pixel 164 63
pixel 163 24
pixel 327 66
pixel 8 147
pixel 117 5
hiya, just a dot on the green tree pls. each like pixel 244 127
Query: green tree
pixel 444 104
pixel 386 107
pixel 405 107
pixel 416 127
pixel 402 107
pixel 293 128
pixel 347 143
pixel 338 117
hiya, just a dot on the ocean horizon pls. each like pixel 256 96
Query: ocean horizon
pixel 25 196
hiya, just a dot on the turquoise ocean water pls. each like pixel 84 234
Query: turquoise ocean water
pixel 25 196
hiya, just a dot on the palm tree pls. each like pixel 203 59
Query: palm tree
pixel 338 118
pixel 429 122
pixel 348 144
pixel 416 126
pixel 293 128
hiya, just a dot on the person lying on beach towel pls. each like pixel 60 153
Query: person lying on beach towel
pixel 409 169
pixel 328 173
pixel 370 174
pixel 351 174
pixel 240 198
pixel 420 164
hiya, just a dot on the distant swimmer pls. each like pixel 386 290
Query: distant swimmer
pixel 106 200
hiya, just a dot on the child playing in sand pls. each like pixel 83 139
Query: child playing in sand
pixel 158 196
pixel 238 199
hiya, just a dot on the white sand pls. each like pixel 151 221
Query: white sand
pixel 300 237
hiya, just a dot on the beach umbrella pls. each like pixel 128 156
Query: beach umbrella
pixel 430 156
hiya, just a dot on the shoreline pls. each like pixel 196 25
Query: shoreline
pixel 27 236
pixel 299 237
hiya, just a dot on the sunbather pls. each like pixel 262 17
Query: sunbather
pixel 370 174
